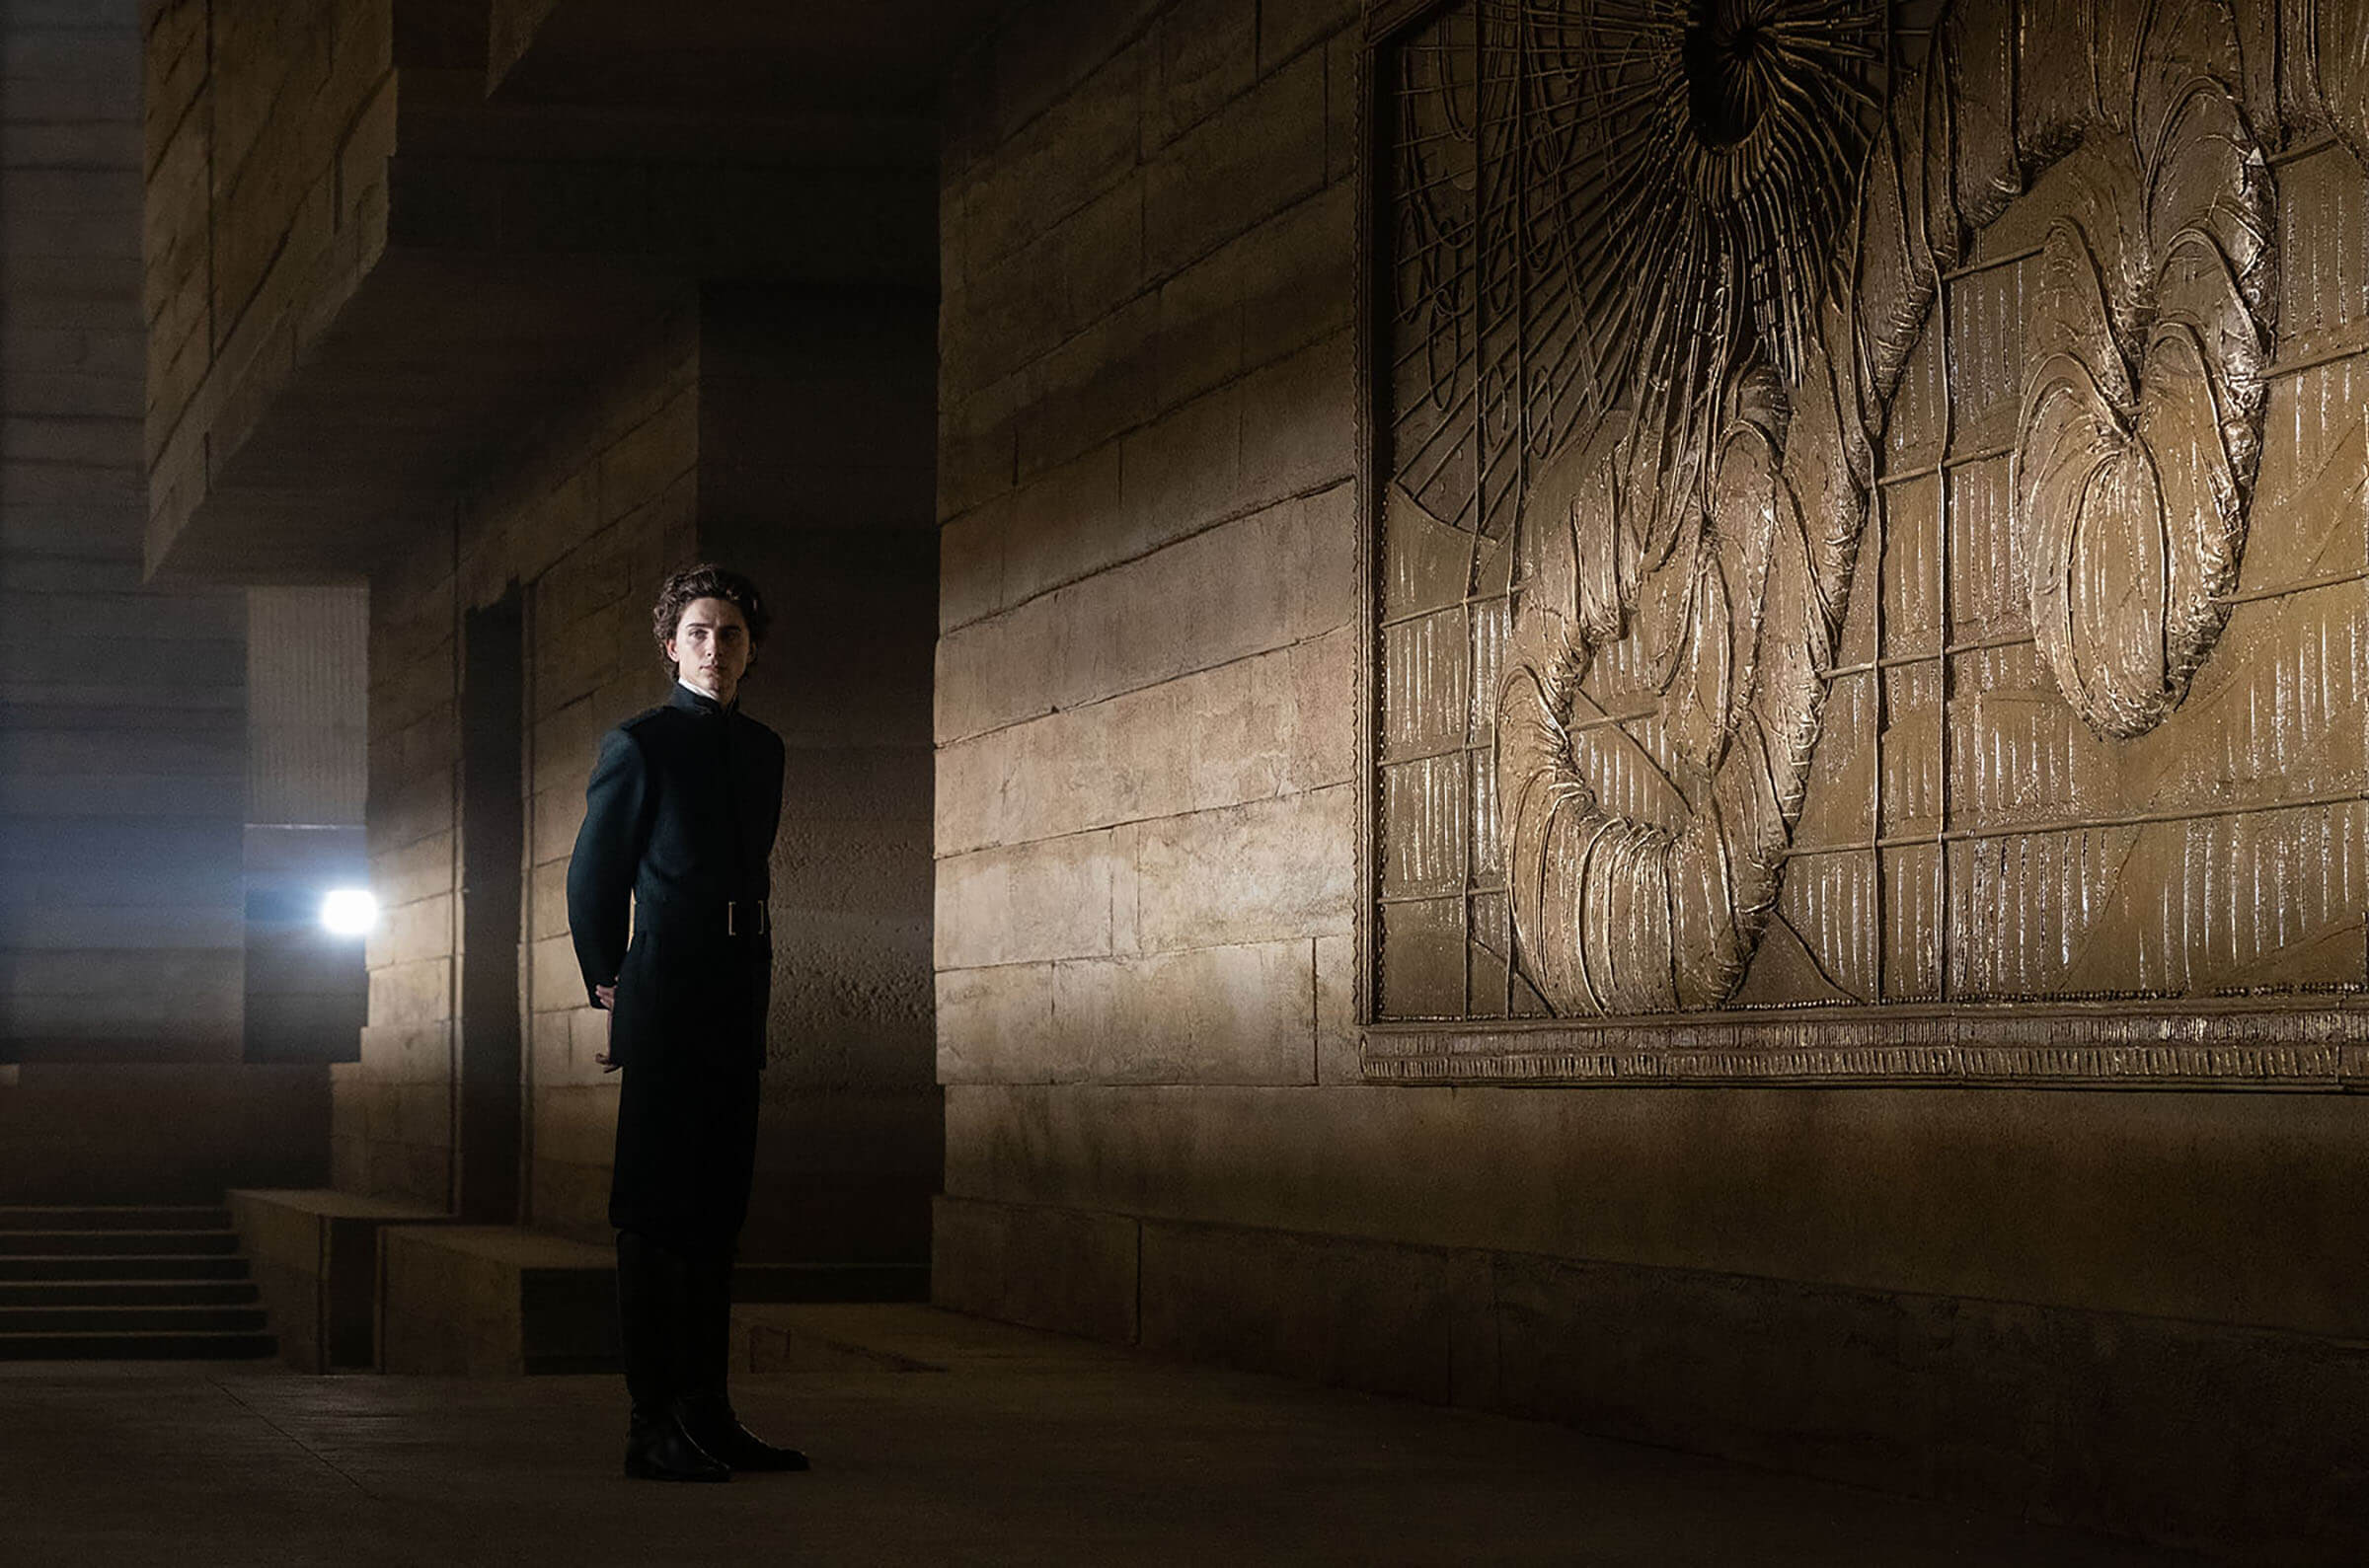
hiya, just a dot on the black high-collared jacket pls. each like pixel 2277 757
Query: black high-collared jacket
pixel 680 814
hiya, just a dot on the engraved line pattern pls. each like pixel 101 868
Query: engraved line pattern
pixel 2038 827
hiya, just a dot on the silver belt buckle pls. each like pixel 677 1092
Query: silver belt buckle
pixel 730 927
pixel 732 917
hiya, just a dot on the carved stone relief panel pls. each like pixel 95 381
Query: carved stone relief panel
pixel 1869 538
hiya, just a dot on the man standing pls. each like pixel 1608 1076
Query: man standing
pixel 680 818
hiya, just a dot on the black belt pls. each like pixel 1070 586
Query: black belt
pixel 739 916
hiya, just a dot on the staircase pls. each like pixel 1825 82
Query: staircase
pixel 127 1284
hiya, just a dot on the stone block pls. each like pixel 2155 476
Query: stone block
pixel 556 816
pixel 423 1114
pixel 415 871
pixel 1263 152
pixel 991 1023
pixel 566 742
pixel 1060 524
pixel 979 445
pixel 572 661
pixel 1287 26
pixel 1179 473
pixel 488 1300
pixel 587 1039
pixel 1253 729
pixel 1081 145
pixel 1280 288
pixel 175 69
pixel 408 993
pixel 362 159
pixel 2195 1206
pixel 649 458
pixel 409 933
pixel 1016 309
pixel 1046 900
pixel 1090 388
pixel 970 562
pixel 406 692
pixel 1062 1269
pixel 315 1256
pixel 1201 53
pixel 547 901
pixel 576 1124
pixel 1299 423
pixel 421 1173
pixel 269 229
pixel 1415 1322
pixel 574 1200
pixel 1260 872
pixel 1211 1015
pixel 2105 1420
pixel 398 1054
pixel 1276 577
pixel 555 981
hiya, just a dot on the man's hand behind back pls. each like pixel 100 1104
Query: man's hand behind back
pixel 607 996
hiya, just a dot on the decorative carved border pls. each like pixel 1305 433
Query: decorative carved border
pixel 2319 1042
pixel 2320 1047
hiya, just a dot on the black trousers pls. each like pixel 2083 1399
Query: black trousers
pixel 686 1150
pixel 686 1153
pixel 675 1313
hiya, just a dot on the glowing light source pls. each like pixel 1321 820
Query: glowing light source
pixel 350 912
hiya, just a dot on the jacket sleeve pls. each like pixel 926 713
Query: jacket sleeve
pixel 608 853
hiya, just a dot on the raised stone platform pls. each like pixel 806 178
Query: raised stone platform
pixel 315 1253
pixel 486 1300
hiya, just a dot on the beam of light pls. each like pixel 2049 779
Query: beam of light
pixel 350 912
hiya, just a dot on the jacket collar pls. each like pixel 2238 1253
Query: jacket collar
pixel 696 702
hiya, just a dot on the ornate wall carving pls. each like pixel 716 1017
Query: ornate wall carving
pixel 1867 523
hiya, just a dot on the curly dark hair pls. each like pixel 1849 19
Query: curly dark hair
pixel 707 580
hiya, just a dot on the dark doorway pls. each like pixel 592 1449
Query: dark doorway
pixel 492 852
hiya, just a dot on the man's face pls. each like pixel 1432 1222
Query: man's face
pixel 709 647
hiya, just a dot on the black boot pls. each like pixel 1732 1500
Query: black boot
pixel 712 1425
pixel 706 1407
pixel 658 1449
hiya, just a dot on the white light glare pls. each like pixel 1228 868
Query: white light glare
pixel 350 912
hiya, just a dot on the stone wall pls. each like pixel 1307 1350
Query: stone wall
pixel 595 511
pixel 786 432
pixel 1146 880
pixel 814 476
pixel 269 131
pixel 123 740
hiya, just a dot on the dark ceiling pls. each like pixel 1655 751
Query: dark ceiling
pixel 881 56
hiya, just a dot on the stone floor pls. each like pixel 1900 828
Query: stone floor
pixel 935 1440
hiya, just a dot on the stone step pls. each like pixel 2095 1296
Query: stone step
pixel 121 1266
pixel 126 1293
pixel 89 1244
pixel 87 1319
pixel 139 1345
pixel 114 1216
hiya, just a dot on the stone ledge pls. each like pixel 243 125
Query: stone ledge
pixel 315 1254
pixel 493 1300
pixel 898 1338
pixel 2108 1420
pixel 488 1300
